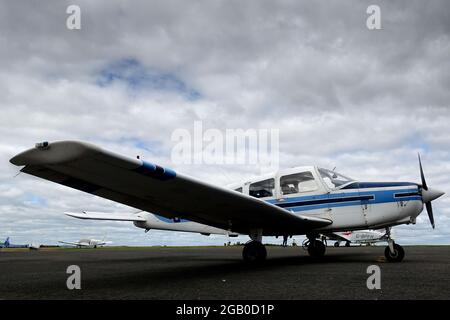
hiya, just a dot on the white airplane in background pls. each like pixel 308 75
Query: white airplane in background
pixel 298 201
pixel 87 243
pixel 359 236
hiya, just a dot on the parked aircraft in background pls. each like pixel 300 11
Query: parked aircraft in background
pixel 8 244
pixel 87 243
pixel 298 201
pixel 358 237
pixel 34 246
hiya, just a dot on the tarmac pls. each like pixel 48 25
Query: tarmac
pixel 219 273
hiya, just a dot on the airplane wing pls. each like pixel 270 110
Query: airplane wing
pixel 105 216
pixel 72 243
pixel 152 188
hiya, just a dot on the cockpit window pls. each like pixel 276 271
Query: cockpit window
pixel 333 179
pixel 262 189
pixel 297 183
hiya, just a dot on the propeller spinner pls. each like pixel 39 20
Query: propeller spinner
pixel 428 195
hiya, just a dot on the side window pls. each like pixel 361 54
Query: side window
pixel 297 183
pixel 238 189
pixel 262 189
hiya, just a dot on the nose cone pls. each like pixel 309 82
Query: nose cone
pixel 431 194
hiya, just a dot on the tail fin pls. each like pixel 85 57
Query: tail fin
pixel 6 244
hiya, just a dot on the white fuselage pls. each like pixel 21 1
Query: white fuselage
pixel 350 206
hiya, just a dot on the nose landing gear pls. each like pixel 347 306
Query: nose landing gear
pixel 396 254
pixel 393 252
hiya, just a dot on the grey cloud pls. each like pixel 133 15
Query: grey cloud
pixel 341 95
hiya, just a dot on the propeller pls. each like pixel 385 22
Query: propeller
pixel 428 195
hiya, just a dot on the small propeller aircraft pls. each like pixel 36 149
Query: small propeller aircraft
pixel 87 243
pixel 359 236
pixel 297 201
pixel 8 244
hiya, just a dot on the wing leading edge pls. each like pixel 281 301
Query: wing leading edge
pixel 156 189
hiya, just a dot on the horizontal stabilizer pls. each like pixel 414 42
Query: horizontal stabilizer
pixel 105 216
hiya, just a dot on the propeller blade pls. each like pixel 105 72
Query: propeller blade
pixel 430 212
pixel 422 176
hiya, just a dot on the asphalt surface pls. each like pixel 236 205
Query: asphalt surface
pixel 219 273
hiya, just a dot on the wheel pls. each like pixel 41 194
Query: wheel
pixel 305 244
pixel 336 244
pixel 347 244
pixel 316 249
pixel 254 251
pixel 398 254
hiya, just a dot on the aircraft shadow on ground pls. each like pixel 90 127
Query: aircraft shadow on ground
pixel 212 268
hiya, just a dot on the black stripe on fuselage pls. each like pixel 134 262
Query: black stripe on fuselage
pixel 367 185
pixel 406 194
pixel 324 201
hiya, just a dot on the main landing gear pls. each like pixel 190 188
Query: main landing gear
pixel 316 248
pixel 393 252
pixel 254 250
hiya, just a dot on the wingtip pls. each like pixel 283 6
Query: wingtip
pixel 74 214
pixel 53 153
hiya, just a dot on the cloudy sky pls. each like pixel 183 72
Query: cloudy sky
pixel 341 95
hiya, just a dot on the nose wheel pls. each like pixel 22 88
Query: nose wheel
pixel 393 252
pixel 395 255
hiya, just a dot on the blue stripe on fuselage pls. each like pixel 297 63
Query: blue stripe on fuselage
pixel 379 196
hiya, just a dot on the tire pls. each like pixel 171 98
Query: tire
pixel 398 255
pixel 347 244
pixel 336 244
pixel 316 249
pixel 254 251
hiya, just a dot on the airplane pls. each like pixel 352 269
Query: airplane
pixel 87 243
pixel 306 200
pixel 34 246
pixel 359 236
pixel 8 244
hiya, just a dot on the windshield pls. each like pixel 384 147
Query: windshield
pixel 333 179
